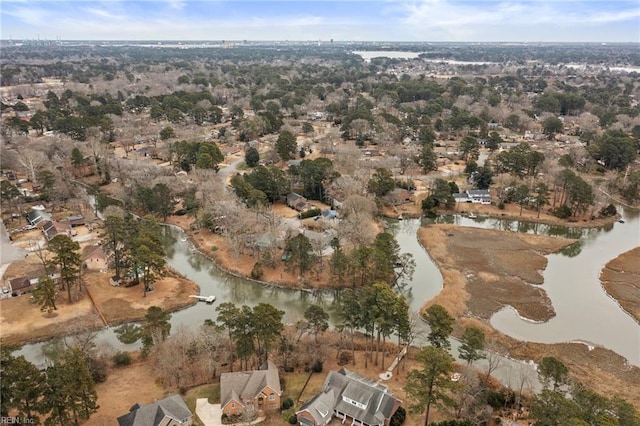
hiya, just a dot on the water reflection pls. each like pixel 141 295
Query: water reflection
pixel 572 250
pixel 572 265
pixel 584 311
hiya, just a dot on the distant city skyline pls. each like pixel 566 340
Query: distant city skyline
pixel 302 20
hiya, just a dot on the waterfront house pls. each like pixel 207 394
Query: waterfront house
pixel 352 399
pixel 251 391
pixel 476 196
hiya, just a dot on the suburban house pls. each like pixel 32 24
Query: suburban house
pixel 316 115
pixel 97 259
pixel 75 220
pixel 400 196
pixel 297 201
pixel 37 215
pixel 329 214
pixel 50 229
pixel 350 398
pixel 250 390
pixel 336 204
pixel 481 196
pixel 21 285
pixel 476 196
pixel 171 411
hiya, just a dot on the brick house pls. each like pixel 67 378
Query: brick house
pixel 250 390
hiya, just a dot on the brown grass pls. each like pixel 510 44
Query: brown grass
pixel 22 321
pixel 124 387
pixel 466 259
pixel 484 270
pixel 621 279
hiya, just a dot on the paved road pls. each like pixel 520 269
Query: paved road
pixel 230 169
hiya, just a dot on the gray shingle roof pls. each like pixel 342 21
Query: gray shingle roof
pixel 152 414
pixel 35 216
pixel 480 193
pixel 321 406
pixel 243 385
pixel 356 396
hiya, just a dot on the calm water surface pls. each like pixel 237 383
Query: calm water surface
pixel 584 311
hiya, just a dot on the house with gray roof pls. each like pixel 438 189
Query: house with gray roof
pixel 481 196
pixel 250 391
pixel 298 202
pixel 476 196
pixel 37 215
pixel 351 398
pixel 50 228
pixel 171 411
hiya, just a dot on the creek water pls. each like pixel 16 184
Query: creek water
pixel 584 311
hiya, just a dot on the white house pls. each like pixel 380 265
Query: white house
pixel 476 196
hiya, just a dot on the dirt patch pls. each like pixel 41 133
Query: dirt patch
pixel 406 210
pixel 484 270
pixel 621 279
pixel 22 321
pixel 283 210
pixel 124 387
pixel 120 304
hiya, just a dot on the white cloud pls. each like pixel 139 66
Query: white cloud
pixel 29 15
pixel 427 20
pixel 177 4
pixel 104 13
pixel 455 20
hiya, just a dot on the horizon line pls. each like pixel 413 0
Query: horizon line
pixel 225 40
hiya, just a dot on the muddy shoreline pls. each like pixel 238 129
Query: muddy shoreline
pixel 484 270
pixel 620 278
pixel 117 304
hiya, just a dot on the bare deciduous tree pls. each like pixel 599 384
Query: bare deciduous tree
pixel 31 162
pixel 494 357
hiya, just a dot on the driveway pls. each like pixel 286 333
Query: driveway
pixel 209 414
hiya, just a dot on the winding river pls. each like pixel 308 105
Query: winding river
pixel 584 311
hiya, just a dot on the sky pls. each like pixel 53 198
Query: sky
pixel 302 20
